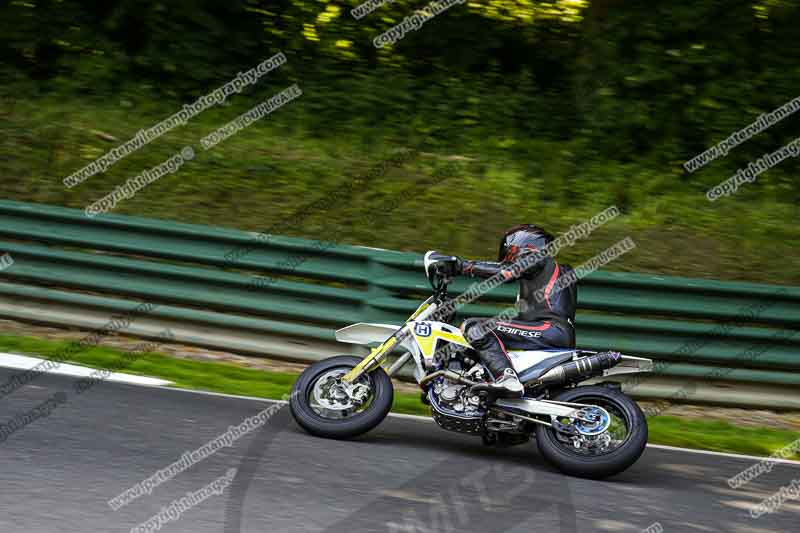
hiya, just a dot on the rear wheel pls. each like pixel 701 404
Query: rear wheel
pixel 607 445
pixel 325 406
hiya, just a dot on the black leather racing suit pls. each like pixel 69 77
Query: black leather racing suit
pixel 542 323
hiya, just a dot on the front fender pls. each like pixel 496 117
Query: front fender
pixel 364 333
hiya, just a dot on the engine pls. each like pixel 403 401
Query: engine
pixel 456 398
pixel 454 408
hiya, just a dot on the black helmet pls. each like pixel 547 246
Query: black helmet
pixel 522 239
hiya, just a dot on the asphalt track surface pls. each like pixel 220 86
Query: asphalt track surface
pixel 58 473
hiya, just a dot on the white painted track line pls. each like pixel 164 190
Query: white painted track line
pixel 24 362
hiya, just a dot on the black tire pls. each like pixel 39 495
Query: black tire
pixel 356 424
pixel 601 466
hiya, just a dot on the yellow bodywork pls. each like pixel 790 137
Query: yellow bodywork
pixel 427 346
pixel 428 343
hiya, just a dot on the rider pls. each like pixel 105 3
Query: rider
pixel 541 322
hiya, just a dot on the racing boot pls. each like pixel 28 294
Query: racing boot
pixel 507 385
pixel 493 355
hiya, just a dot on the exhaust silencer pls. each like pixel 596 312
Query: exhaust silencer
pixel 583 368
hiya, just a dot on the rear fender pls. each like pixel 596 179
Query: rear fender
pixel 629 364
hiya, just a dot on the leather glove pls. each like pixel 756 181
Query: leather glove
pixel 457 266
pixel 448 265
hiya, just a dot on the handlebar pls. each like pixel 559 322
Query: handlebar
pixel 437 274
pixel 439 282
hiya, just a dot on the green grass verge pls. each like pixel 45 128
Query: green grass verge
pixel 232 379
pixel 264 176
pixel 718 436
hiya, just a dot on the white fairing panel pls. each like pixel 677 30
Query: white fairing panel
pixel 363 333
pixel 521 361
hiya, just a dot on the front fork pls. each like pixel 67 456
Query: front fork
pixel 372 361
pixel 375 357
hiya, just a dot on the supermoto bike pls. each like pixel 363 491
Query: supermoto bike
pixel 591 431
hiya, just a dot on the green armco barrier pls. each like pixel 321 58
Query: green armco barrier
pixel 699 329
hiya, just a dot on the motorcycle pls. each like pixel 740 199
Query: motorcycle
pixel 592 431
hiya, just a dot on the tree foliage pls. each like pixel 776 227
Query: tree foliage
pixel 622 81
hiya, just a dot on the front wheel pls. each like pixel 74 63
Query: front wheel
pixel 326 407
pixel 597 454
